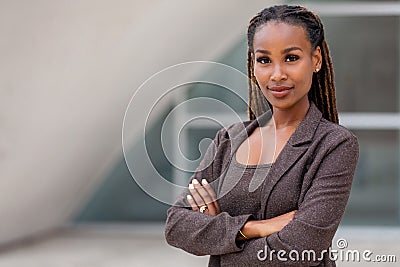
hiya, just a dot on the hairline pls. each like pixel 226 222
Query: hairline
pixel 283 20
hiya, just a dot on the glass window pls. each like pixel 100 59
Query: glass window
pixel 366 62
pixel 374 198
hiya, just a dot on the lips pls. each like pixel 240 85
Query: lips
pixel 280 91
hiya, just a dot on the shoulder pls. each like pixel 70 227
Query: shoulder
pixel 332 135
pixel 334 130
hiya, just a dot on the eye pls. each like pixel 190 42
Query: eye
pixel 263 60
pixel 291 58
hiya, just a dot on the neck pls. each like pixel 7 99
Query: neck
pixel 290 117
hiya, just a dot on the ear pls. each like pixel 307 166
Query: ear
pixel 317 59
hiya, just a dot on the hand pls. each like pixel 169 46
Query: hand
pixel 264 228
pixel 203 195
pixel 273 225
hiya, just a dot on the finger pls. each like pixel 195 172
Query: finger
pixel 209 189
pixel 202 192
pixel 211 193
pixel 192 203
pixel 204 196
pixel 294 213
pixel 197 198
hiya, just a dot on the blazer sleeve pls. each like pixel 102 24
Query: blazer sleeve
pixel 198 233
pixel 318 217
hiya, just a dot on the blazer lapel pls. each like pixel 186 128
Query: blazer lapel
pixel 296 146
pixel 288 157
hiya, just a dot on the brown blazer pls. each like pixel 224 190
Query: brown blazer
pixel 313 174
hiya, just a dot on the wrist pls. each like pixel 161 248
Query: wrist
pixel 251 229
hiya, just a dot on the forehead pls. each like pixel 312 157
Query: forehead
pixel 280 35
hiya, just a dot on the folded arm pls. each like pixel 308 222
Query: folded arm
pixel 204 233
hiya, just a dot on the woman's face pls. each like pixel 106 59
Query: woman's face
pixel 284 62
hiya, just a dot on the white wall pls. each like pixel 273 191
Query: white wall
pixel 67 72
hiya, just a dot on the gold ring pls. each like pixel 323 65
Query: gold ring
pixel 203 208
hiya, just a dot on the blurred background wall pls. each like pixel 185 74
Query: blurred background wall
pixel 68 70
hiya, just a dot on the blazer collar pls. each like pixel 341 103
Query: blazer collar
pixel 305 131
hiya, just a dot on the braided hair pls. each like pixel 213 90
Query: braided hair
pixel 322 91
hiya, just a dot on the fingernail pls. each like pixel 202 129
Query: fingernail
pixel 195 181
pixel 204 181
pixel 191 186
pixel 189 197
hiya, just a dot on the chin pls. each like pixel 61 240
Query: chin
pixel 280 103
pixel 287 104
pixel 290 101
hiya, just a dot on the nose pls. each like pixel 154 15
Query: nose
pixel 278 73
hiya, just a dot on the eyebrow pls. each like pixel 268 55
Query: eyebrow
pixel 284 51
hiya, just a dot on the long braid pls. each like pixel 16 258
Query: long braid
pixel 257 101
pixel 322 91
pixel 251 95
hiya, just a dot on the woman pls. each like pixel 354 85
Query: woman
pixel 272 191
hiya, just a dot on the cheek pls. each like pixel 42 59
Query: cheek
pixel 261 74
pixel 302 75
pixel 308 78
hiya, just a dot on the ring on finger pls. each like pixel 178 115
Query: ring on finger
pixel 203 208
